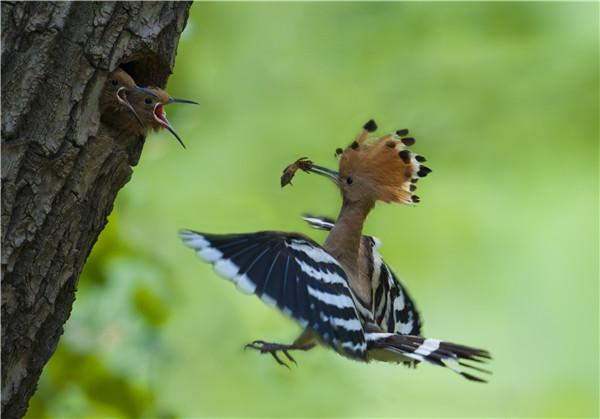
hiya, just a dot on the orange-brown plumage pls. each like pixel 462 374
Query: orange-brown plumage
pixel 370 170
pixel 145 105
pixel 380 169
pixel 116 80
pixel 114 108
pixel 163 96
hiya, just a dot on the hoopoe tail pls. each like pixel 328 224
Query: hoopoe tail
pixel 391 347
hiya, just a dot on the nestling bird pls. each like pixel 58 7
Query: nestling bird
pixel 114 106
pixel 342 293
pixel 150 105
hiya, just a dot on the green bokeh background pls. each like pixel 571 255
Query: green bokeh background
pixel 502 253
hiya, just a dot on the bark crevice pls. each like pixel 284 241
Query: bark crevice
pixel 61 166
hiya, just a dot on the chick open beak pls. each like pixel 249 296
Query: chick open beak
pixel 122 99
pixel 161 117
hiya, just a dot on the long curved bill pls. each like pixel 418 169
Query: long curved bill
pixel 172 131
pixel 122 99
pixel 324 171
pixel 175 100
pixel 161 117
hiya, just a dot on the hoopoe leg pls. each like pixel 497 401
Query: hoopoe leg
pixel 304 342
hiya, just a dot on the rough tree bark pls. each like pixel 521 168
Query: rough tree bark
pixel 61 166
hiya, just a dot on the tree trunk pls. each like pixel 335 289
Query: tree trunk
pixel 61 166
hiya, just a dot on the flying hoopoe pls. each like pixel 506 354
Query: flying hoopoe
pixel 149 104
pixel 342 293
pixel 113 101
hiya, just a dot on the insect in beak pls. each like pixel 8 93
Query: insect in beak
pixel 307 166
pixel 289 172
pixel 161 117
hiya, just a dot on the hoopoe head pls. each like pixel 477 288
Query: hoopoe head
pixel 150 107
pixel 381 169
pixel 114 94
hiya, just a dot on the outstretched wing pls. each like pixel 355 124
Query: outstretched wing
pixel 393 309
pixel 293 273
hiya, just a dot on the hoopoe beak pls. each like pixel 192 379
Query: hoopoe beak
pixel 161 117
pixel 324 171
pixel 122 99
pixel 146 90
pixel 175 100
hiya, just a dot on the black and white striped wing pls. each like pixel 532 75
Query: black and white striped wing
pixel 393 309
pixel 293 273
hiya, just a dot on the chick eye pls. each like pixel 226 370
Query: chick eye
pixel 114 82
pixel 148 101
pixel 349 180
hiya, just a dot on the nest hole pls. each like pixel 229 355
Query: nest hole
pixel 147 69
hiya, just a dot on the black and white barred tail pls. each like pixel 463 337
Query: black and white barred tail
pixel 391 347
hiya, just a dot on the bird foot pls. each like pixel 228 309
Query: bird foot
pixel 273 348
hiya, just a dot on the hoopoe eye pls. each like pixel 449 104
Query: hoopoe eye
pixel 148 101
pixel 349 180
pixel 114 82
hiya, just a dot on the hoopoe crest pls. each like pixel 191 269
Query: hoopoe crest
pixel 382 169
pixel 371 170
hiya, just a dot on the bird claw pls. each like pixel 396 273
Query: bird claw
pixel 287 354
pixel 279 361
pixel 273 348
pixel 255 345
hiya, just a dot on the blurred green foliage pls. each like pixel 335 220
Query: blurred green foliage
pixel 502 253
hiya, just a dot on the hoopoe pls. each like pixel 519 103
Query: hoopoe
pixel 149 104
pixel 113 101
pixel 342 293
